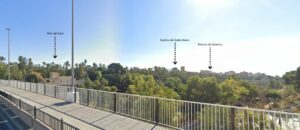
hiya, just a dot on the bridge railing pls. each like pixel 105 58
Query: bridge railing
pixel 177 114
pixel 37 114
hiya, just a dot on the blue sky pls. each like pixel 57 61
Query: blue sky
pixel 257 35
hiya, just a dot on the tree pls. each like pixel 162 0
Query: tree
pixel 114 74
pixel 30 64
pixel 94 74
pixel 273 95
pixel 160 73
pixel 173 83
pixel 298 78
pixel 3 70
pixel 67 65
pixel 202 89
pixel 289 77
pixel 146 85
pixel 232 90
pixel 33 77
pixel 88 83
pixel 2 59
pixel 275 84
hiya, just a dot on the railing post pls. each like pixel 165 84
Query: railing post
pixel 30 86
pixel 232 118
pixel 55 91
pixel 115 102
pixel 44 88
pixel 61 124
pixel 37 88
pixel 20 104
pixel 34 112
pixel 88 97
pixel 75 95
pixel 157 110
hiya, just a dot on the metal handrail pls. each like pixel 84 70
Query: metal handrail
pixel 38 114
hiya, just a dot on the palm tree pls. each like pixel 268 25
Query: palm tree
pixel 2 59
pixel 67 65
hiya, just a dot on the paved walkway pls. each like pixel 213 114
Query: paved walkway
pixel 83 117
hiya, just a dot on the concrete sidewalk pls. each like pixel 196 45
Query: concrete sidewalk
pixel 83 117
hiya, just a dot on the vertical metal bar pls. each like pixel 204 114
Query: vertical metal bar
pixel 280 121
pixel 20 104
pixel 44 89
pixel 232 119
pixel 132 107
pixel 243 118
pixel 274 121
pixel 189 115
pixel 177 116
pixel 215 117
pixel 55 91
pixel 269 121
pixel 248 118
pixel 157 111
pixel 227 110
pixel 88 97
pixel 223 113
pixel 293 122
pixel 61 124
pixel 298 120
pixel 264 125
pixel 75 95
pixel 211 121
pixel 238 118
pixel 219 119
pixel 253 120
pixel 258 113
pixel 37 88
pixel 204 117
pixel 34 112
pixel 286 120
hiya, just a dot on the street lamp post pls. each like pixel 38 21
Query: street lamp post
pixel 72 60
pixel 71 96
pixel 8 48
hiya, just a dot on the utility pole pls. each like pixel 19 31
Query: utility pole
pixel 71 95
pixel 8 43
pixel 72 60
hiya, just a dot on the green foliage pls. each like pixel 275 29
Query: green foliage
pixel 115 75
pixel 275 84
pixel 274 95
pixel 297 78
pixel 146 85
pixel 33 77
pixel 160 73
pixel 232 90
pixel 202 89
pixel 289 77
pixel 205 86
pixel 173 83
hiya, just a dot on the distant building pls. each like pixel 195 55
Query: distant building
pixel 56 79
pixel 182 68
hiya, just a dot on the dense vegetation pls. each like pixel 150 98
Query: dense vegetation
pixel 246 89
